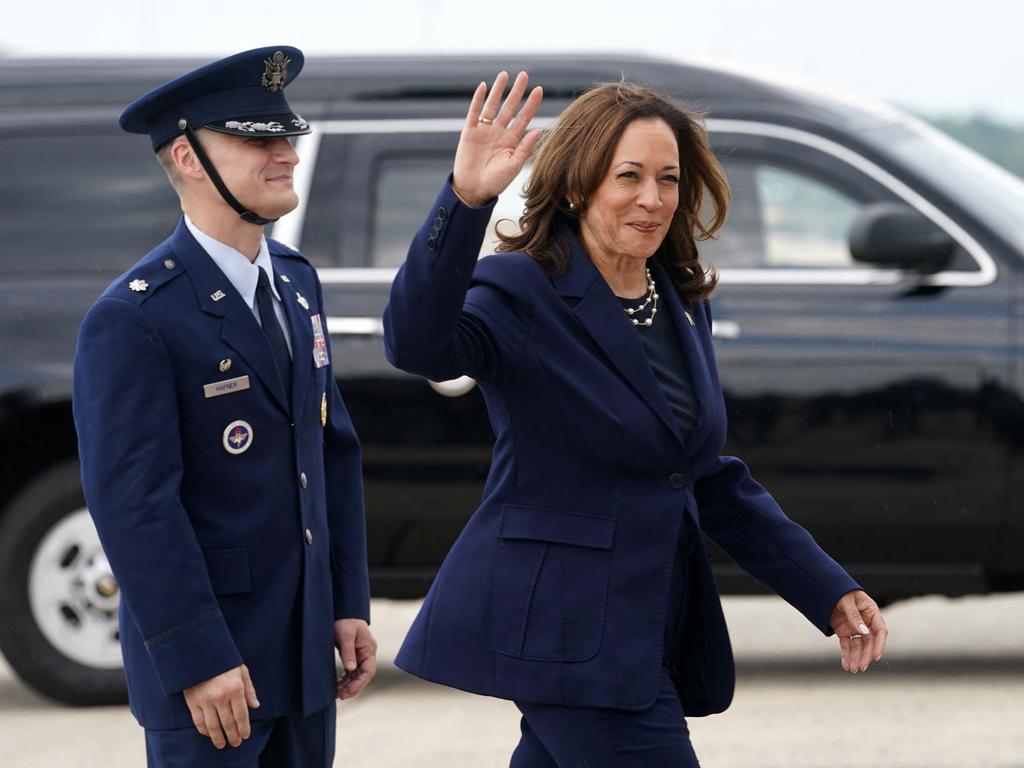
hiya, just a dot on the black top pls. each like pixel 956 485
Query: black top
pixel 665 353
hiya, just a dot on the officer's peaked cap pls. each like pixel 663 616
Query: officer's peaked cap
pixel 241 95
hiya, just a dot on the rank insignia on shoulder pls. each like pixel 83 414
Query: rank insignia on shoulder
pixel 320 358
pixel 237 437
pixel 302 300
pixel 138 285
pixel 217 295
pixel 323 410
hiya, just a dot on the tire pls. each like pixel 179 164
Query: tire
pixel 57 597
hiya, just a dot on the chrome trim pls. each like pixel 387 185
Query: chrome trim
pixel 289 228
pixel 986 265
pixel 355 326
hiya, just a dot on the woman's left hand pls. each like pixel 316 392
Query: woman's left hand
pixel 858 623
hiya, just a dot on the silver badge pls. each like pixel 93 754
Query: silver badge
pixel 138 285
pixel 285 279
pixel 217 295
pixel 237 437
pixel 302 300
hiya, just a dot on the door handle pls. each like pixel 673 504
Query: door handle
pixel 726 330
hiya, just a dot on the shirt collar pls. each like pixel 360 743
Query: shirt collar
pixel 235 265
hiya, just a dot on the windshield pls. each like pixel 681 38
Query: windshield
pixel 993 194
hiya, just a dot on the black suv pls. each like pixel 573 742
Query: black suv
pixel 867 323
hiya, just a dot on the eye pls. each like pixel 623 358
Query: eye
pixel 628 175
pixel 670 179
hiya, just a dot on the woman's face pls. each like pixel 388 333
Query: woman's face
pixel 629 213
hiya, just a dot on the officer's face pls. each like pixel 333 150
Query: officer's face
pixel 258 171
pixel 629 213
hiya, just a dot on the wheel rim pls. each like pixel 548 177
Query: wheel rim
pixel 73 595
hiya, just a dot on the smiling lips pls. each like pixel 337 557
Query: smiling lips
pixel 644 227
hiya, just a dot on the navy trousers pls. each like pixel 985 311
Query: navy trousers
pixel 280 742
pixel 592 737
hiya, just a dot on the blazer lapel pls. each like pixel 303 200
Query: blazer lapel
pixel 689 337
pixel 300 329
pixel 601 314
pixel 239 328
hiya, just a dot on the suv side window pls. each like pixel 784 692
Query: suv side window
pixel 93 204
pixel 405 188
pixel 783 217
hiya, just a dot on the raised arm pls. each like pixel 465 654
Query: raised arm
pixel 431 327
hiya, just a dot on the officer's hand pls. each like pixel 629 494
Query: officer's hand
pixel 858 623
pixel 358 650
pixel 218 706
pixel 491 152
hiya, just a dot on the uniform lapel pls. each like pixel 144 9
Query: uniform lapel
pixel 239 328
pixel 601 314
pixel 300 329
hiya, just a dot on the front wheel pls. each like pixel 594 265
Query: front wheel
pixel 59 599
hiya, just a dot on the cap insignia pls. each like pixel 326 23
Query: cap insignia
pixel 276 71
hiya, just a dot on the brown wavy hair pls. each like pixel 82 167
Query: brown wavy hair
pixel 573 158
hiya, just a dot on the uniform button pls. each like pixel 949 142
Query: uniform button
pixel 309 536
pixel 677 480
pixel 442 214
pixel 431 244
pixel 169 264
pixel 304 482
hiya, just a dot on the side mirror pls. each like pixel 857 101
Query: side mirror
pixel 896 235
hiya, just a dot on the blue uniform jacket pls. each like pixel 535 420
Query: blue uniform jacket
pixel 210 546
pixel 556 590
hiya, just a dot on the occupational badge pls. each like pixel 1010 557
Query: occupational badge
pixel 323 410
pixel 302 300
pixel 225 365
pixel 237 437
pixel 320 358
pixel 276 71
pixel 138 285
pixel 285 279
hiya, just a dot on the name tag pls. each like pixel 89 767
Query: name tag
pixel 226 387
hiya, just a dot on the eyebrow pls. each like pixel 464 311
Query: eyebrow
pixel 641 165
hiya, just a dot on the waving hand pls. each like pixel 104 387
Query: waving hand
pixel 495 143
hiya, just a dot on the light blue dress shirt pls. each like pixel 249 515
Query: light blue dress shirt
pixel 243 274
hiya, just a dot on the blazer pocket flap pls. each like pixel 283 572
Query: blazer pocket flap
pixel 229 570
pixel 537 524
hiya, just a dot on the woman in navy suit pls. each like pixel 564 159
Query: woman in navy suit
pixel 580 588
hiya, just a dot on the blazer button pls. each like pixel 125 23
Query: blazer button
pixel 442 214
pixel 677 480
pixel 309 536
pixel 304 482
pixel 431 244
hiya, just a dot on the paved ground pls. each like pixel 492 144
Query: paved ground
pixel 950 694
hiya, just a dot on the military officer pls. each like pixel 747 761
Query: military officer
pixel 218 460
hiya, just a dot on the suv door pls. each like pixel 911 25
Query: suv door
pixel 866 400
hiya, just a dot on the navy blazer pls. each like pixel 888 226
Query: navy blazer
pixel 556 590
pixel 223 556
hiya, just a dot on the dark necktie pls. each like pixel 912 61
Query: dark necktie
pixel 272 328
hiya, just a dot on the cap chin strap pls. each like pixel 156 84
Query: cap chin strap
pixel 218 182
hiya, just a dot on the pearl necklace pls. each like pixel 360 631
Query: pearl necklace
pixel 651 299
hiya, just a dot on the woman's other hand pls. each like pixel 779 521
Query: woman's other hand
pixel 858 623
pixel 495 144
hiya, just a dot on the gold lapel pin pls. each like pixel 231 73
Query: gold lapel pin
pixel 689 317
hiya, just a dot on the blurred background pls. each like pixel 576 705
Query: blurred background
pixel 951 691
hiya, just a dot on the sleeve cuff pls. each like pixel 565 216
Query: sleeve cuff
pixel 352 595
pixel 194 655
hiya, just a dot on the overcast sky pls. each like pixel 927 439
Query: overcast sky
pixel 936 57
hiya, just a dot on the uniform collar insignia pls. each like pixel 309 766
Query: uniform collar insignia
pixel 276 71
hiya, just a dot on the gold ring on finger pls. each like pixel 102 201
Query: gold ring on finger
pixel 486 120
pixel 856 637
